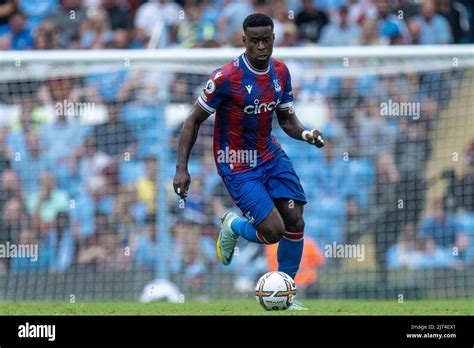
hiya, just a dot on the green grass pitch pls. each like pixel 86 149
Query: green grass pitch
pixel 247 307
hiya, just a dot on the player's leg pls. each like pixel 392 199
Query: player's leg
pixel 285 188
pixel 290 248
pixel 269 231
pixel 262 223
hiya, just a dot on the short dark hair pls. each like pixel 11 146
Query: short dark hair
pixel 257 20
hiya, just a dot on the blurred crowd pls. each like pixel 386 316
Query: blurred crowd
pixel 102 24
pixel 88 194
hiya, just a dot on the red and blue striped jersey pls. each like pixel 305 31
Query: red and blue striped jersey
pixel 244 100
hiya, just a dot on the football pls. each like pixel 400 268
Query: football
pixel 275 291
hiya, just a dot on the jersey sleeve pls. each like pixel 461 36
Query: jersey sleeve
pixel 213 93
pixel 287 99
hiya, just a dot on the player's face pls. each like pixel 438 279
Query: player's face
pixel 259 45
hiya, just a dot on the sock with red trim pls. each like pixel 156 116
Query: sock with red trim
pixel 290 251
pixel 245 229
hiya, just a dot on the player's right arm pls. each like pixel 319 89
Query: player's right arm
pixel 188 137
pixel 208 102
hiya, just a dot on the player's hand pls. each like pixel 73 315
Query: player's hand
pixel 315 138
pixel 181 183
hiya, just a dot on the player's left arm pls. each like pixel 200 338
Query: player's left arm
pixel 295 129
pixel 287 118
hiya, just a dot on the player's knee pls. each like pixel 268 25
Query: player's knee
pixel 296 225
pixel 273 234
pixel 276 234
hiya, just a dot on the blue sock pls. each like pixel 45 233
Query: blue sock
pixel 289 256
pixel 245 229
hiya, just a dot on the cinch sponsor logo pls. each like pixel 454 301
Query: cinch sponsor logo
pixel 37 331
pixel 258 108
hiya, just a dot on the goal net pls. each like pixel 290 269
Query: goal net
pixel 87 157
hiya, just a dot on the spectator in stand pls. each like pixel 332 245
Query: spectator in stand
pixel 36 11
pixel 108 87
pixel 129 212
pixel 188 256
pixel 9 187
pixel 465 189
pixel 20 129
pixel 310 21
pixel 193 30
pixel 7 7
pixel 104 251
pixel 29 265
pixel 458 18
pixel 92 206
pixel 279 13
pixel 12 210
pixel 88 163
pixel 45 204
pixel 58 93
pixel 388 23
pixel 144 247
pixel 118 14
pixel 339 32
pixel 414 29
pixel 412 252
pixel 290 35
pixel 383 217
pixel 374 135
pixel 434 28
pixel 236 40
pixel 59 140
pixel 196 204
pixel 116 139
pixel 211 11
pixel 58 244
pixel 120 39
pixel 20 37
pixel 369 35
pixel 330 186
pixel 68 18
pixel 4 154
pixel 30 163
pixel 146 187
pixel 13 219
pixel 95 31
pixel 412 150
pixel 443 229
pixel 407 8
pixel 155 13
pixel 232 17
pixel 361 10
pixel 460 191
pixel 48 36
